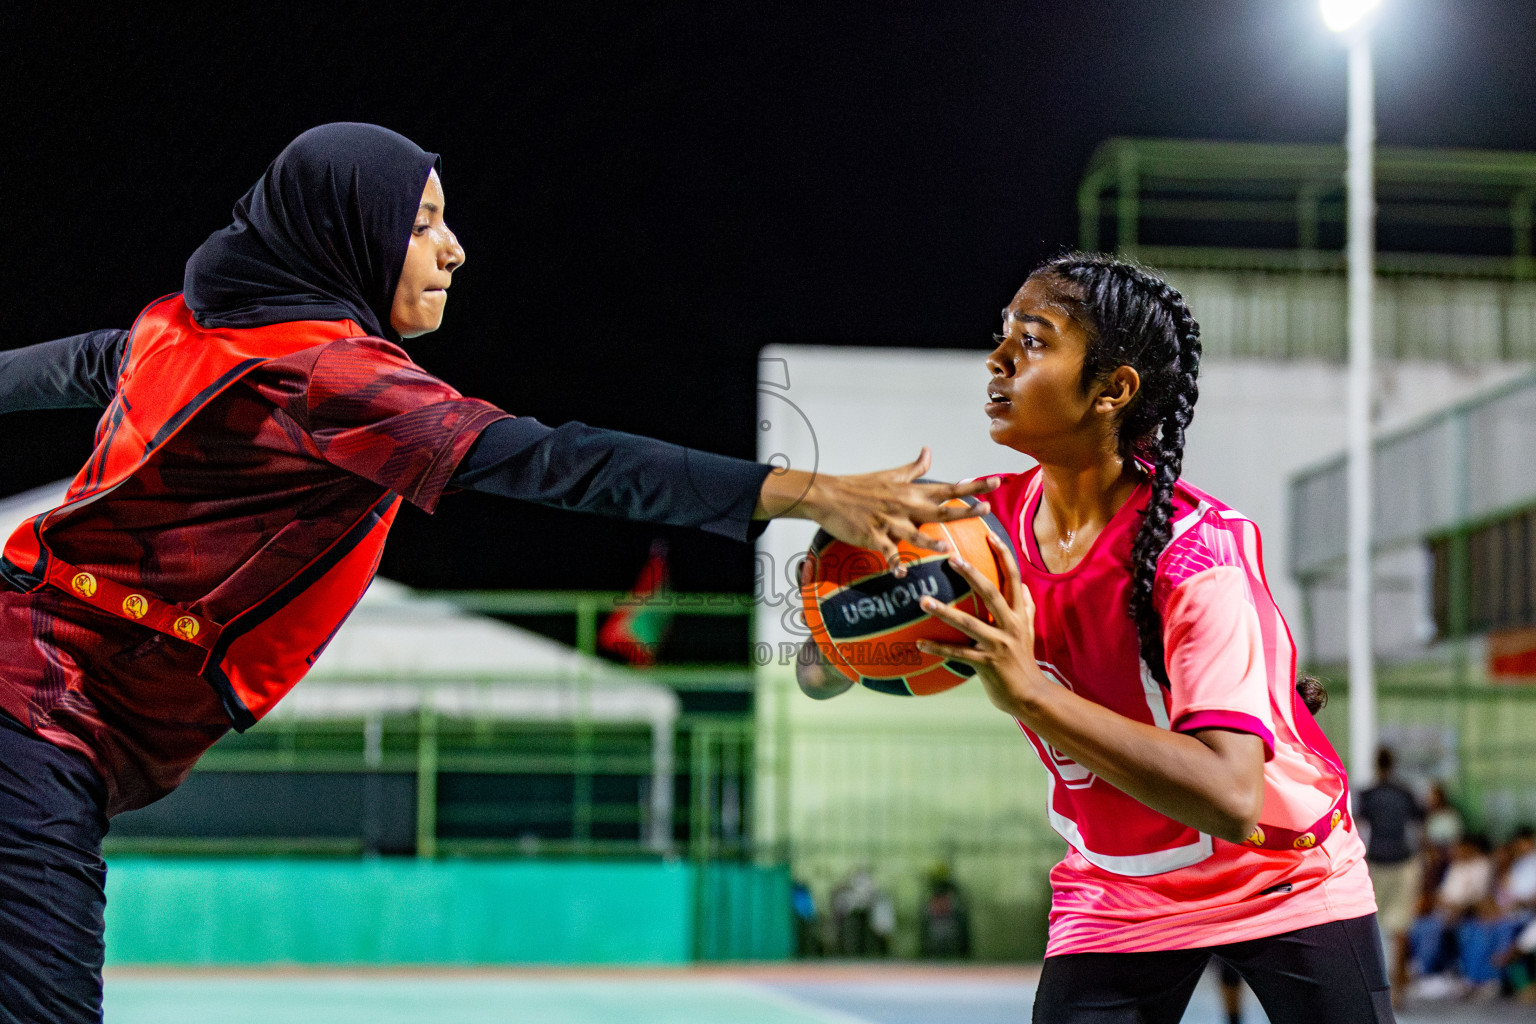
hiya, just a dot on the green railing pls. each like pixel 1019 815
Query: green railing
pixel 1295 193
pixel 711 820
pixel 711 816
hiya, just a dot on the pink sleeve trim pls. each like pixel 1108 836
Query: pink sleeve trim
pixel 1235 720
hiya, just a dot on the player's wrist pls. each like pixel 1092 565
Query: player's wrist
pixel 1027 695
pixel 792 494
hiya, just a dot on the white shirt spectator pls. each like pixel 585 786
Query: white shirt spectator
pixel 1467 883
pixel 1520 881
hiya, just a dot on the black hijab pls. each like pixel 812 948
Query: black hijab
pixel 321 236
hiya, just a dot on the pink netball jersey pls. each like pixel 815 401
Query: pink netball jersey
pixel 1136 880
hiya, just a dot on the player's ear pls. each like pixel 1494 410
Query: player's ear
pixel 1117 389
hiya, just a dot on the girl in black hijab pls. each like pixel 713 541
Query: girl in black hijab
pixel 197 528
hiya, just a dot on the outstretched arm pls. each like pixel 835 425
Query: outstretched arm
pixel 71 373
pixel 608 472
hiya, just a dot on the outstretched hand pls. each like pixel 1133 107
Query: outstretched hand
pixel 874 510
pixel 1003 651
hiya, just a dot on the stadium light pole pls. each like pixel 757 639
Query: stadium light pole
pixel 1352 19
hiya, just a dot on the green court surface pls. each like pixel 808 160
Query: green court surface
pixel 777 997
pixel 822 993
pixel 399 1001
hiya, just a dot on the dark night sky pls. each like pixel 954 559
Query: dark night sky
pixel 650 192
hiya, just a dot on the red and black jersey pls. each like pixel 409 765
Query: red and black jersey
pixel 250 493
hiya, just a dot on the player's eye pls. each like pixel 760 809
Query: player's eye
pixel 421 229
pixel 1030 341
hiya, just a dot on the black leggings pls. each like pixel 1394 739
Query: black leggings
pixel 1327 974
pixel 52 881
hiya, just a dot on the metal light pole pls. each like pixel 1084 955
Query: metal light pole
pixel 1350 18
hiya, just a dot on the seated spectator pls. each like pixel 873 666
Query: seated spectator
pixel 1467 883
pixel 1519 964
pixel 1483 940
pixel 944 929
pixel 1468 879
pixel 1442 830
pixel 863 916
pixel 1488 942
pixel 1517 887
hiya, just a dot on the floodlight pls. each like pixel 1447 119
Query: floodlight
pixel 1343 15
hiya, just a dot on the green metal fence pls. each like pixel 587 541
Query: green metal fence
pixel 1162 197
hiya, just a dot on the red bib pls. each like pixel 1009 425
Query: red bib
pixel 172 368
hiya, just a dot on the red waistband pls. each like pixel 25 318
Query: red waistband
pixel 131 604
pixel 1273 837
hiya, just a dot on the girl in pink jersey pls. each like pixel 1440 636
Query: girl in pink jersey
pixel 1141 653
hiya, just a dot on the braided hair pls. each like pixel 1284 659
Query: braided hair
pixel 1137 319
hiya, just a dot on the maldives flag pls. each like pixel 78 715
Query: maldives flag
pixel 636 628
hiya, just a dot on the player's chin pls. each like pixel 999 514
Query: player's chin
pixel 1003 432
pixel 422 321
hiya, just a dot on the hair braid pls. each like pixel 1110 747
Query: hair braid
pixel 1167 465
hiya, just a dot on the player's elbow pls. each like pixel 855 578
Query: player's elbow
pixel 1237 812
pixel 1234 782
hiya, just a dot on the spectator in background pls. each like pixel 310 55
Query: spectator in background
pixel 1468 882
pixel 1485 940
pixel 863 914
pixel 944 926
pixel 1519 964
pixel 1469 878
pixel 1442 829
pixel 1391 816
pixel 1517 888
pixel 1499 944
pixel 882 922
pixel 807 941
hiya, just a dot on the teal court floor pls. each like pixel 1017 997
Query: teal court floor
pixel 788 994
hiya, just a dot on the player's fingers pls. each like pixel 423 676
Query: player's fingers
pixel 980 485
pixel 965 622
pixel 1001 611
pixel 886 545
pixel 1021 600
pixel 949 513
pixel 910 534
pixel 952 652
pixel 916 468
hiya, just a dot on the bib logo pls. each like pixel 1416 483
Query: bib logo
pixel 186 627
pixel 1072 774
pixel 84 584
pixel 135 606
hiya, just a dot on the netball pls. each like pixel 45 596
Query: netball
pixel 866 619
